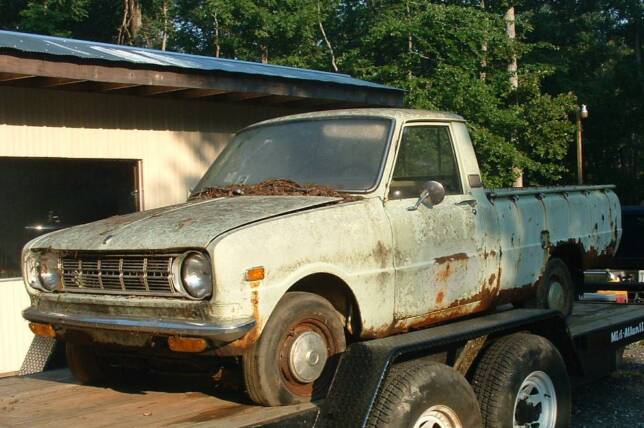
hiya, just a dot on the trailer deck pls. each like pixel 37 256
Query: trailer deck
pixel 53 398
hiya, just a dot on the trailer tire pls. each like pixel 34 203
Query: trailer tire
pixel 84 364
pixel 428 394
pixel 278 366
pixel 556 289
pixel 510 375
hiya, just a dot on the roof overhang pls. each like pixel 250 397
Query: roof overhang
pixel 247 83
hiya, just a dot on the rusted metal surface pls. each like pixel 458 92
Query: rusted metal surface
pixel 469 353
pixel 405 269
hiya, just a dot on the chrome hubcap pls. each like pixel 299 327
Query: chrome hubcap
pixel 556 298
pixel 438 416
pixel 536 403
pixel 308 356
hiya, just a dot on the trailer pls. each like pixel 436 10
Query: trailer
pixel 445 363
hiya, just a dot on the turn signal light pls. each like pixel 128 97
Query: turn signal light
pixel 255 274
pixel 186 344
pixel 45 330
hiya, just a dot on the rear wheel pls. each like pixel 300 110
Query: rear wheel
pixel 295 357
pixel 521 381
pixel 425 394
pixel 556 289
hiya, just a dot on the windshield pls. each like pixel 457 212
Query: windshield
pixel 343 153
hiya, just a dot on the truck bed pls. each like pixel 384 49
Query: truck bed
pixel 54 399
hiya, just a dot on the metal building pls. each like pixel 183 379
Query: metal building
pixel 89 130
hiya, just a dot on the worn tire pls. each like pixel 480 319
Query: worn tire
pixel 268 375
pixel 84 364
pixel 556 272
pixel 501 372
pixel 415 388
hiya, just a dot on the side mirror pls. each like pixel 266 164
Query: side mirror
pixel 433 194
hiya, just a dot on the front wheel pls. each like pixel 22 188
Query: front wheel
pixel 84 364
pixel 425 394
pixel 521 381
pixel 295 357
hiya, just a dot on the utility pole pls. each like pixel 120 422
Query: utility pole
pixel 510 31
pixel 581 113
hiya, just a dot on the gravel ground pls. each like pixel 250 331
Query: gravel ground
pixel 617 401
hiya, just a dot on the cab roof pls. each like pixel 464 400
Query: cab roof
pixel 398 114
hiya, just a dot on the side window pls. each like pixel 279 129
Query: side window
pixel 425 153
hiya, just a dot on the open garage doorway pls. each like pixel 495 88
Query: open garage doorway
pixel 40 195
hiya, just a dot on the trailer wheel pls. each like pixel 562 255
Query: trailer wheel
pixel 294 359
pixel 521 381
pixel 425 394
pixel 84 364
pixel 556 289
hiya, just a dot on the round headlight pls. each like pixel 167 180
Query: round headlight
pixel 48 272
pixel 196 275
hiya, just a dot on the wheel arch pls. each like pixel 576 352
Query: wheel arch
pixel 338 293
pixel 571 253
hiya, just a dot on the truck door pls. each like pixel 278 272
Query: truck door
pixel 440 255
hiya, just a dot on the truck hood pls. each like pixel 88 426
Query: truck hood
pixel 189 225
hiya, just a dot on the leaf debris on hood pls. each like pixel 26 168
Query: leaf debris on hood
pixel 272 187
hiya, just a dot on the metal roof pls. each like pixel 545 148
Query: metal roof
pixel 95 51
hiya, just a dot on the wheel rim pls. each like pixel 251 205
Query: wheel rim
pixel 556 296
pixel 308 356
pixel 536 402
pixel 439 416
pixel 304 352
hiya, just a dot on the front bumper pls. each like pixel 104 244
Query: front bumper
pixel 220 332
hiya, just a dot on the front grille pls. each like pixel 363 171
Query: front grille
pixel 149 275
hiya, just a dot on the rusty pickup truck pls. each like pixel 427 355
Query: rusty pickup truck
pixel 395 233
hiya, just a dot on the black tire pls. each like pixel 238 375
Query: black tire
pixel 556 272
pixel 417 386
pixel 84 364
pixel 268 376
pixel 501 372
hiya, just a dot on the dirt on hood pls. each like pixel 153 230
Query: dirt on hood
pixel 273 187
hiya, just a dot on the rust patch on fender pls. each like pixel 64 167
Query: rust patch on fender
pixel 487 254
pixel 444 274
pixel 237 347
pixel 492 279
pixel 439 297
pixel 451 258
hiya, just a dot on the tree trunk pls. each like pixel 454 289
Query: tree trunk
pixel 136 18
pixel 483 72
pixel 326 40
pixel 216 41
pixel 264 49
pixel 164 36
pixel 510 31
pixel 131 22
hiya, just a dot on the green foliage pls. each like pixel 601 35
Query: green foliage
pixel 54 17
pixel 447 54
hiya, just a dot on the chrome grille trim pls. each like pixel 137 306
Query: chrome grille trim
pixel 125 274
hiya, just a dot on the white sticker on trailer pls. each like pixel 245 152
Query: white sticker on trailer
pixel 626 332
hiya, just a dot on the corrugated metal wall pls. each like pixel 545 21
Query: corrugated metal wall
pixel 175 140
